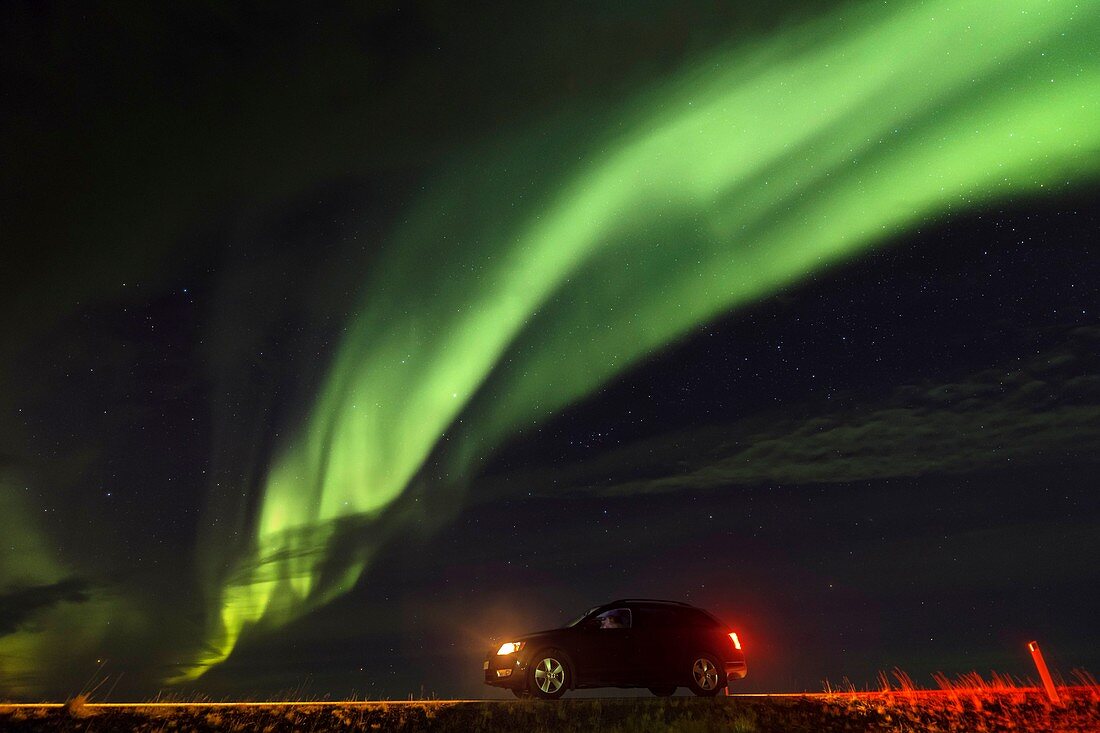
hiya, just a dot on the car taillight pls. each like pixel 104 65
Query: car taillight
pixel 736 641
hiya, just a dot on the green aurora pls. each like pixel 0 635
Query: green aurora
pixel 529 276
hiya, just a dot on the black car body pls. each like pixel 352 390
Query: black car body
pixel 660 645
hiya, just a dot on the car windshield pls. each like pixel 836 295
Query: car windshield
pixel 580 618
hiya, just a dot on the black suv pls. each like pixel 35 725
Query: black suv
pixel 661 645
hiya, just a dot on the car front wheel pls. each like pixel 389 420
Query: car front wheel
pixel 662 691
pixel 707 678
pixel 548 675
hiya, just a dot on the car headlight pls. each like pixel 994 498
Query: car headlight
pixel 510 647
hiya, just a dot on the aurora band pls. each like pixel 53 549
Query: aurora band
pixel 530 275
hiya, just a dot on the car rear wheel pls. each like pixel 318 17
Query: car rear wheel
pixel 548 675
pixel 707 678
pixel 662 691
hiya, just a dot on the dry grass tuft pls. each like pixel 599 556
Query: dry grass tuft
pixel 77 707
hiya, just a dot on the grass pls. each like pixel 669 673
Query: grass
pixel 967 703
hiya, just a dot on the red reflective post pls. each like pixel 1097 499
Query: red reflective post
pixel 1044 673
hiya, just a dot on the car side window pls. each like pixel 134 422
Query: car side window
pixel 696 619
pixel 616 618
pixel 656 618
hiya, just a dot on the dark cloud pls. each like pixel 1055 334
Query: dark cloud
pixel 1027 412
pixel 19 605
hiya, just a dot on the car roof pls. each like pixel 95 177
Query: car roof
pixel 647 601
pixel 655 602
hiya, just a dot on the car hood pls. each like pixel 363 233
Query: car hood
pixel 534 635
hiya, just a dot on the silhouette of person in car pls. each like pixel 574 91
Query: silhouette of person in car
pixel 616 619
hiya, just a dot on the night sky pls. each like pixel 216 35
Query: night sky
pixel 339 342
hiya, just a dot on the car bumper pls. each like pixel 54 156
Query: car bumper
pixel 505 670
pixel 736 670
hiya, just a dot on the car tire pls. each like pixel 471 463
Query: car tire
pixel 663 691
pixel 549 674
pixel 706 678
pixel 521 694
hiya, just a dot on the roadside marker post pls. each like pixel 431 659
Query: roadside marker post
pixel 1044 673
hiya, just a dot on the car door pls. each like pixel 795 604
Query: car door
pixel 605 651
pixel 657 641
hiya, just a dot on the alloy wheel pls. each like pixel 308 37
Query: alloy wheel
pixel 705 674
pixel 550 675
